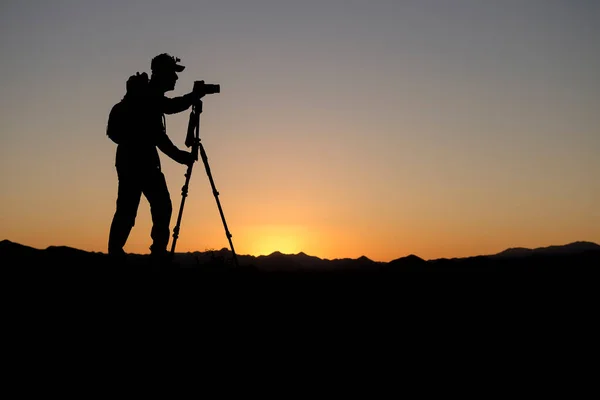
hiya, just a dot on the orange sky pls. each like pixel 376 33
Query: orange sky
pixel 342 129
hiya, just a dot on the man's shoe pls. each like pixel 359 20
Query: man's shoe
pixel 162 261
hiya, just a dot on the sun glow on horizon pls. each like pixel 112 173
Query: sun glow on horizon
pixel 284 239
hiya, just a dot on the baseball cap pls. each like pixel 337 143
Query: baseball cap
pixel 166 62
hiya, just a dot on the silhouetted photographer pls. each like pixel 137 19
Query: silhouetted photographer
pixel 138 125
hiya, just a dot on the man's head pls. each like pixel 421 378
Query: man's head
pixel 164 71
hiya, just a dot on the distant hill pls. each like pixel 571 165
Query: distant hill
pixel 571 248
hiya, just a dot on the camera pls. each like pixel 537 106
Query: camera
pixel 202 88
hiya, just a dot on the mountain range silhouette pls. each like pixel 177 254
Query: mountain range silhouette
pixel 570 256
pixel 61 285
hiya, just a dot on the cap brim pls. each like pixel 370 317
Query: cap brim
pixel 179 68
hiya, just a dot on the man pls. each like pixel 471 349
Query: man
pixel 138 123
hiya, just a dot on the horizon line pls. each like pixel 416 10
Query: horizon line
pixel 325 259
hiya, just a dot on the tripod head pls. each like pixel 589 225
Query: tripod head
pixel 200 89
pixel 192 138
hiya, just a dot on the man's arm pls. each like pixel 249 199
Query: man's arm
pixel 165 144
pixel 177 104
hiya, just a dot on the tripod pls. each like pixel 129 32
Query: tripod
pixel 193 140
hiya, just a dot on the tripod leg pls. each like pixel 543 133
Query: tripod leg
pixel 184 192
pixel 192 126
pixel 216 194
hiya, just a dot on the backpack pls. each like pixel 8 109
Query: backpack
pixel 122 117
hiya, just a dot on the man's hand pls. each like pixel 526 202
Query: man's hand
pixel 185 158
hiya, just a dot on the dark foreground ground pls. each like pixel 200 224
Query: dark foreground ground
pixel 507 317
pixel 558 270
pixel 61 299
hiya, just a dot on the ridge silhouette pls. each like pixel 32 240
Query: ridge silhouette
pixel 570 257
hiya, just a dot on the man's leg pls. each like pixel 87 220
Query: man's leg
pixel 156 191
pixel 128 200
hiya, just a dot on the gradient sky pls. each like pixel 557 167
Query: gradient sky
pixel 442 128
